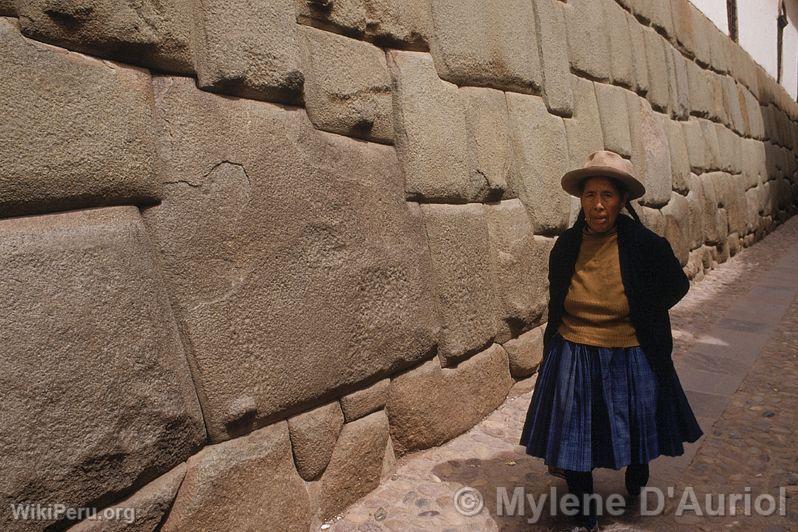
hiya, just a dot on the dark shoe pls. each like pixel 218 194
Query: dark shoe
pixel 635 478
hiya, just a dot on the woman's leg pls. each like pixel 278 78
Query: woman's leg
pixel 580 483
pixel 636 478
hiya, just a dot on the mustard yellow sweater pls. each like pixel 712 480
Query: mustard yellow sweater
pixel 596 308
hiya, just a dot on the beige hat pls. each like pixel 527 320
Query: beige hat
pixel 604 163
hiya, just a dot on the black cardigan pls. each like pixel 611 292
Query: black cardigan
pixel 652 278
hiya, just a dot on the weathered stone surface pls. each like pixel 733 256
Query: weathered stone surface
pixel 650 153
pixel 658 13
pixel 356 464
pixel 651 218
pixel 754 163
pixel 729 149
pixel 715 224
pixel 700 90
pixel 431 132
pixel 731 102
pixel 313 435
pixel 430 405
pixel 640 61
pixel 144 510
pixel 458 241
pixel 658 94
pixel 363 402
pixel 614 118
pixel 754 113
pixel 710 132
pixel 249 49
pixel 486 44
pixel 330 292
pixel 245 484
pixel 405 23
pixel 519 263
pixel 551 32
pixel 525 352
pixel 588 43
pixel 347 86
pixel 718 109
pixel 676 214
pixel 149 33
pixel 743 67
pixel 678 85
pixel 91 354
pixel 701 28
pixel 540 158
pixel 730 195
pixel 695 207
pixel 680 158
pixel 389 460
pixel 77 132
pixel 696 145
pixel 718 49
pixel 488 138
pixel 682 18
pixel 8 8
pixel 584 130
pixel 622 64
pixel 348 16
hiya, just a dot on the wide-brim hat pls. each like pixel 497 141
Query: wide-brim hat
pixel 604 163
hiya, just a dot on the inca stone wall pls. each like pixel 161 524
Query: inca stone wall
pixel 254 251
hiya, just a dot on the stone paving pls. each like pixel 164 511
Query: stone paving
pixel 735 349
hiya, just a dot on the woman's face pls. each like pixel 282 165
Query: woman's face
pixel 602 202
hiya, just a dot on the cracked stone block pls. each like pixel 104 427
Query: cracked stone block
pixel 144 510
pixel 699 88
pixel 658 94
pixel 552 30
pixel 584 130
pixel 457 236
pixel 348 16
pixel 431 132
pixel 588 42
pixel 363 402
pixel 92 354
pixel 614 118
pixel 347 86
pixel 313 435
pixel 730 194
pixel 540 158
pixel 680 158
pixel 650 152
pixel 81 135
pixel 245 484
pixel 430 405
pixel 486 44
pixel 525 353
pixel 488 138
pixel 405 23
pixel 332 291
pixel 638 47
pixel 696 145
pixel 622 63
pixel 147 33
pixel 519 264
pixel 678 84
pixel 249 49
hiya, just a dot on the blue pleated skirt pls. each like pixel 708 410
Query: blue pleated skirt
pixel 604 407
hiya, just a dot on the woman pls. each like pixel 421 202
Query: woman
pixel 607 393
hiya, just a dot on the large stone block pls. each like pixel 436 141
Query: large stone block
pixel 743 67
pixel 430 405
pixel 730 195
pixel 458 242
pixel 622 64
pixel 718 49
pixel 584 130
pixel 431 132
pixel 680 158
pixel 676 214
pixel 347 86
pixel 658 13
pixel 682 18
pixel 486 44
pixel 729 149
pixel 678 85
pixel 356 464
pixel 296 270
pixel 700 91
pixel 363 402
pixel 710 132
pixel 715 224
pixel 588 42
pixel 638 44
pixel 696 145
pixel 249 49
pixel 754 113
pixel 348 16
pixel 718 109
pixel 488 138
pixel 76 132
pixel 148 33
pixel 519 263
pixel 245 484
pixel 402 23
pixel 551 30
pixel 540 158
pixel 731 102
pixel 614 118
pixel 701 26
pixel 92 357
pixel 313 436
pixel 525 353
pixel 657 60
pixel 650 152
pixel 695 208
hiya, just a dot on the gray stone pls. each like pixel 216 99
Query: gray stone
pixel 405 23
pixel 754 113
pixel 77 132
pixel 622 63
pixel 650 152
pixel 249 49
pixel 488 138
pixel 657 12
pixel 715 224
pixel 348 16
pixel 457 236
pixel 347 86
pixel 551 30
pixel 540 158
pixel 730 193
pixel 614 118
pixel 519 263
pixel 731 101
pixel 718 49
pixel 431 132
pixel 651 218
pixel 144 510
pixel 363 402
pixel 678 85
pixel 700 91
pixel 728 149
pixel 525 352
pixel 148 33
pixel 584 130
pixel 658 94
pixel 718 110
pixel 356 464
pixel 313 435
pixel 701 28
pixel 696 145
pixel 710 132
pixel 91 355
pixel 486 44
pixel 588 42
pixel 245 484
pixel 695 208
pixel 640 62
pixel 743 66
pixel 682 17
pixel 331 292
pixel 430 405
pixel 753 161
pixel 680 157
pixel 676 214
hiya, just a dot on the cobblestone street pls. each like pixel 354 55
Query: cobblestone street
pixel 736 352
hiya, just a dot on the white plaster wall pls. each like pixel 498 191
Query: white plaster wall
pixel 757 30
pixel 715 10
pixel 789 71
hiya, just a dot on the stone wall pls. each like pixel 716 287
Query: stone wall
pixel 253 251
